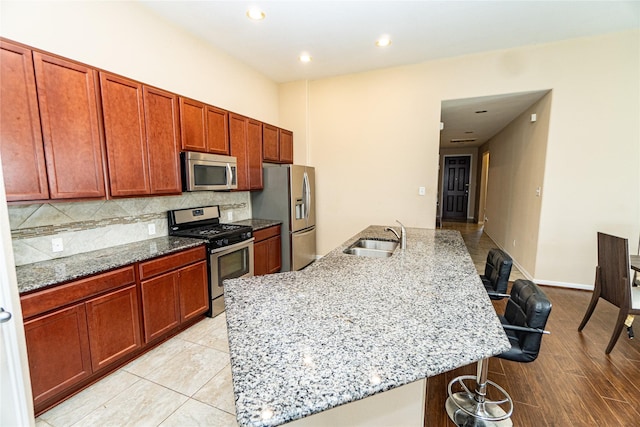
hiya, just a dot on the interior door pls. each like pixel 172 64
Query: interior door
pixel 455 195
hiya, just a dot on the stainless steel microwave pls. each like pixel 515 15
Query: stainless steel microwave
pixel 203 171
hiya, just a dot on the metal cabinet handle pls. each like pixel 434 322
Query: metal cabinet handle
pixel 5 316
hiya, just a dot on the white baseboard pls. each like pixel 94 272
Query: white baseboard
pixel 564 285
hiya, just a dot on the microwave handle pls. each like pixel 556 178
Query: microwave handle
pixel 229 175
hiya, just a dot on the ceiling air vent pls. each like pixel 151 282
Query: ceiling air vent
pixel 462 140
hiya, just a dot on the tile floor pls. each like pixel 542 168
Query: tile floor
pixel 186 381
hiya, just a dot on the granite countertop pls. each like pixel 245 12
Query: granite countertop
pixel 349 327
pixel 39 275
pixel 258 224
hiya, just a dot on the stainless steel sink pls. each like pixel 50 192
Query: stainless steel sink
pixel 372 248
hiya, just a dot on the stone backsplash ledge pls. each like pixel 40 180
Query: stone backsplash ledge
pixel 92 225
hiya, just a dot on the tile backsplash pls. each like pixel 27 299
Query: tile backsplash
pixel 92 225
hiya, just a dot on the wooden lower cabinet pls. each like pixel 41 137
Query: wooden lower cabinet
pixel 193 287
pixel 160 306
pixel 114 326
pixel 174 289
pixel 58 349
pixel 267 251
pixel 80 331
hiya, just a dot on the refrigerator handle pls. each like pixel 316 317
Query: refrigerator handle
pixel 307 200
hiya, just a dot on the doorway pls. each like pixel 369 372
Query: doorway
pixel 455 187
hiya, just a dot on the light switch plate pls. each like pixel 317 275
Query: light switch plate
pixel 421 191
pixel 152 229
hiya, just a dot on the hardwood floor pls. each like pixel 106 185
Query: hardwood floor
pixel 572 383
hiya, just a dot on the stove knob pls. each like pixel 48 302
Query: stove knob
pixel 226 241
pixel 219 242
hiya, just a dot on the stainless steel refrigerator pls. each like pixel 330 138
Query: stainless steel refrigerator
pixel 289 196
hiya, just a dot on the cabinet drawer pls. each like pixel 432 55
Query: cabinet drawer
pixel 171 262
pixel 58 296
pixel 266 233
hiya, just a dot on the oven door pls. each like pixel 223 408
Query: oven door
pixel 230 262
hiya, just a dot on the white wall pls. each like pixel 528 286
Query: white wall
pixel 126 38
pixel 374 139
pixel 516 170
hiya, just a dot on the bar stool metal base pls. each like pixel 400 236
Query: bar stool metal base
pixel 472 408
pixel 485 410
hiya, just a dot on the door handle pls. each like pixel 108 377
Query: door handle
pixel 5 316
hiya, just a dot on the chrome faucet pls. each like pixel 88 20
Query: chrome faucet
pixel 402 238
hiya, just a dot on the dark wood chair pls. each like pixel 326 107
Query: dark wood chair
pixel 613 283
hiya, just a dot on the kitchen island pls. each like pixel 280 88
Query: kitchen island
pixel 349 327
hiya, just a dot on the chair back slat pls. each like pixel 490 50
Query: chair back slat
pixel 613 269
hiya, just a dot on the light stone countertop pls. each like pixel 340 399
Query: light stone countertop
pixel 40 275
pixel 349 327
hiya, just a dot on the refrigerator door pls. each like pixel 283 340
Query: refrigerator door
pixel 302 204
pixel 303 248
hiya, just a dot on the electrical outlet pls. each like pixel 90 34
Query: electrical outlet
pixel 421 191
pixel 152 229
pixel 56 245
pixel 230 216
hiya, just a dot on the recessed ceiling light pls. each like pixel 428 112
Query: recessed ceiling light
pixel 305 57
pixel 383 41
pixel 481 111
pixel 255 14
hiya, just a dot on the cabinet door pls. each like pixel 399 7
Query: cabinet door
pixel 67 97
pixel 124 130
pixel 274 257
pixel 58 350
pixel 163 139
pixel 261 258
pixel 254 152
pixel 21 149
pixel 193 119
pixel 286 146
pixel 217 130
pixel 114 326
pixel 270 146
pixel 160 310
pixel 238 141
pixel 194 290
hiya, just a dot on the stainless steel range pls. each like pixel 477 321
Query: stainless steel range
pixel 230 247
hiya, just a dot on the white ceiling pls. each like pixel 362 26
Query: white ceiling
pixel 340 36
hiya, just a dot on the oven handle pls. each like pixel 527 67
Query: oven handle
pixel 234 246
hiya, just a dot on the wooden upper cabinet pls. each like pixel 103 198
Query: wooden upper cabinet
pixel 286 146
pixel 21 149
pixel 254 151
pixel 277 144
pixel 270 144
pixel 163 140
pixel 203 127
pixel 217 130
pixel 238 140
pixel 193 119
pixel 141 131
pixel 124 128
pixel 68 101
pixel 246 145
